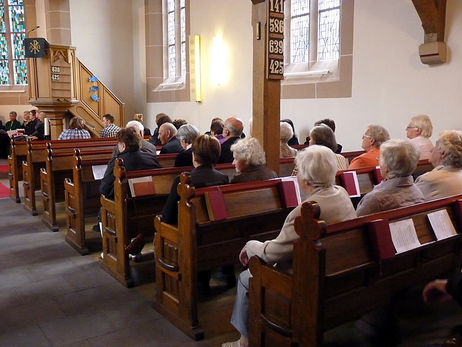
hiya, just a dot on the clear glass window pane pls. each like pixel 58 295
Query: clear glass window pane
pixel 171 61
pixel 171 6
pixel 2 18
pixel 299 39
pixel 4 73
pixel 18 45
pixel 17 19
pixel 171 28
pixel 182 3
pixel 183 25
pixel 328 34
pixel 15 2
pixel 327 4
pixel 3 47
pixel 299 7
pixel 20 72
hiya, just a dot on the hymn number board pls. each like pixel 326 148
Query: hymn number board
pixel 275 40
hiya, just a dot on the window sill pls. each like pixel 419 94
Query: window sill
pixel 172 85
pixel 13 90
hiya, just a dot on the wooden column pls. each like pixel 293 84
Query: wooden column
pixel 266 91
pixel 56 125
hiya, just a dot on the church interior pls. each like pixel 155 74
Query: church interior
pixel 385 62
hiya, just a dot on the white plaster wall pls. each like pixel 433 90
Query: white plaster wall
pixel 103 33
pixel 390 84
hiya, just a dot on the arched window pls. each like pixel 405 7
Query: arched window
pixel 317 41
pixel 13 70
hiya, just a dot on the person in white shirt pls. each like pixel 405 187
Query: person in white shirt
pixel 418 132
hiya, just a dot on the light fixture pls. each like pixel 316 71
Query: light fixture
pixel 195 67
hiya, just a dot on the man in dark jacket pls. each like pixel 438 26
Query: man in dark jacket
pixel 167 136
pixel 232 131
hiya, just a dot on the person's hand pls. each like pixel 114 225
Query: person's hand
pixel 435 291
pixel 33 137
pixel 243 257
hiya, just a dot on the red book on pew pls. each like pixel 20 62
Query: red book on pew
pixel 216 206
pixel 289 193
pixel 141 186
pixel 377 175
pixel 380 236
pixel 350 183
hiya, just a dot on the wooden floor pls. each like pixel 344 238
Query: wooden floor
pixel 52 296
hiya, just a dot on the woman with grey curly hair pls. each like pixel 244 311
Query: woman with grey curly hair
pixel 250 161
pixel 317 167
pixel 398 160
pixel 446 178
pixel 187 133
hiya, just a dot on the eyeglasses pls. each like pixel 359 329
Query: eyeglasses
pixel 367 136
pixel 409 127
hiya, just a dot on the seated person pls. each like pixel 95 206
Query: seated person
pixel 446 178
pixel 29 128
pixel 12 124
pixel 232 131
pixel 75 131
pixel 168 139
pixel 186 134
pixel 250 160
pixel 110 129
pixel 293 139
pixel 146 146
pixel 418 132
pixel 4 144
pixel 324 136
pixel 39 132
pixel 285 134
pixel 444 290
pixel 331 124
pixel 373 137
pixel 317 167
pixel 26 116
pixel 216 129
pixel 206 151
pixel 398 160
pixel 161 118
pixel 129 141
pixel 179 122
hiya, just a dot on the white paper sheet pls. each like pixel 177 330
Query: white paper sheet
pixel 98 171
pixel 404 236
pixel 441 224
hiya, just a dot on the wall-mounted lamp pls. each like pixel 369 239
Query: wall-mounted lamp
pixel 219 62
pixel 195 67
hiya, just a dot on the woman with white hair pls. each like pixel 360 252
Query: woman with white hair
pixel 317 167
pixel 418 132
pixel 187 133
pixel 398 160
pixel 249 161
pixel 285 134
pixel 324 136
pixel 446 178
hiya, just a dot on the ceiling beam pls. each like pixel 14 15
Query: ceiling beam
pixel 432 13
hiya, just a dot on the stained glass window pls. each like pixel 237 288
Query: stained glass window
pixel 316 20
pixel 176 39
pixel 13 70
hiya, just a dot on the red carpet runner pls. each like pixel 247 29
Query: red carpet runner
pixel 4 191
pixel 3 168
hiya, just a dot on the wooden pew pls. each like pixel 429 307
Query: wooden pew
pixel 214 223
pixel 82 199
pixel 58 167
pixel 344 270
pixel 17 155
pixel 36 158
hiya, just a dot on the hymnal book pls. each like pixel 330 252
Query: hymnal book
pixel 379 233
pixel 350 182
pixel 290 191
pixel 216 206
pixel 377 175
pixel 441 224
pixel 404 235
pixel 98 171
pixel 141 186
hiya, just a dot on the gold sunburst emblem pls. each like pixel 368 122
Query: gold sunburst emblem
pixel 34 47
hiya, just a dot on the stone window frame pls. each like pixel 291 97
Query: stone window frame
pixel 317 83
pixel 159 89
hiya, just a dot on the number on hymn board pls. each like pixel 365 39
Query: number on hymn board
pixel 276 25
pixel 275 46
pixel 275 66
pixel 276 6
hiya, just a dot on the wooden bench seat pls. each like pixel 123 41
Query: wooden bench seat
pixel 214 223
pixel 59 166
pixel 17 155
pixel 344 270
pixel 36 158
